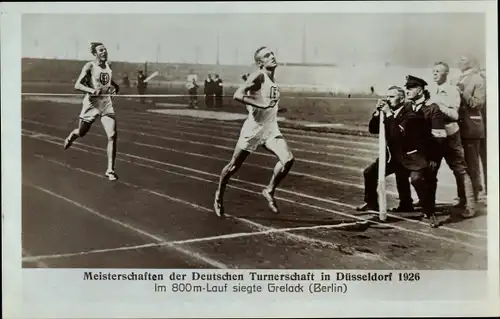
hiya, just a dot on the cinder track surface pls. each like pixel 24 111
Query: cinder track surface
pixel 159 213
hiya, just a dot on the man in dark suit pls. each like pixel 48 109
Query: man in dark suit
pixel 393 105
pixel 209 90
pixel 218 90
pixel 435 138
pixel 407 142
pixel 141 85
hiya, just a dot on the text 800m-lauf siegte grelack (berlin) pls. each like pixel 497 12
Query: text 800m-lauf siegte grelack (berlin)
pixel 290 282
pixel 273 287
pixel 254 281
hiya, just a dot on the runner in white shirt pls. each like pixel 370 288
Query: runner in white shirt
pixel 96 81
pixel 261 96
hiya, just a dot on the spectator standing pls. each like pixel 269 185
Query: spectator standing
pixel 192 87
pixel 209 91
pixel 141 85
pixel 472 89
pixel 219 90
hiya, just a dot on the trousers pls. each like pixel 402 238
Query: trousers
pixel 454 156
pixel 472 158
pixel 422 181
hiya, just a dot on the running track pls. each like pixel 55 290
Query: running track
pixel 159 214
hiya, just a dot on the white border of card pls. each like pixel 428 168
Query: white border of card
pixel 62 293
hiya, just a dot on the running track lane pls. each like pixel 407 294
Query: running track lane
pixel 214 175
pixel 306 178
pixel 222 159
pixel 373 247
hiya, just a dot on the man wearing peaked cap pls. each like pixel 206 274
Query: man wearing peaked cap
pixel 414 81
pixel 434 126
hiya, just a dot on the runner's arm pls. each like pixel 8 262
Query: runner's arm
pixel 80 82
pixel 254 81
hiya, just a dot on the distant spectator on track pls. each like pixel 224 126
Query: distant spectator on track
pixel 218 90
pixel 141 85
pixel 192 87
pixel 126 80
pixel 208 90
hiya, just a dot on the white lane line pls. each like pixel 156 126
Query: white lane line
pixel 258 226
pixel 187 241
pixel 296 173
pixel 94 251
pixel 366 158
pixel 300 203
pixel 370 141
pixel 224 160
pixel 296 149
pixel 233 140
pixel 133 229
pixel 321 199
pixel 290 192
pixel 142 133
pixel 293 172
pixel 332 137
pixel 38 263
pixel 167 127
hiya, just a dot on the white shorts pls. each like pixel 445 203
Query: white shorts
pixel 253 135
pixel 95 107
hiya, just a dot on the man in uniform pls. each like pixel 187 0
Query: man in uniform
pixel 447 98
pixel 472 89
pixel 407 134
pixel 434 138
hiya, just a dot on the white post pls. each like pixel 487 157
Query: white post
pixel 382 196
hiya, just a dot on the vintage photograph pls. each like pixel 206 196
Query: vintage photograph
pixel 254 141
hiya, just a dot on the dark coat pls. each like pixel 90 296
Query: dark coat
pixel 218 89
pixel 209 87
pixel 473 100
pixel 434 123
pixel 407 138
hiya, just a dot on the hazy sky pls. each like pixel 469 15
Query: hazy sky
pixel 408 39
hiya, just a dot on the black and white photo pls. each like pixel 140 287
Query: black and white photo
pixel 222 150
